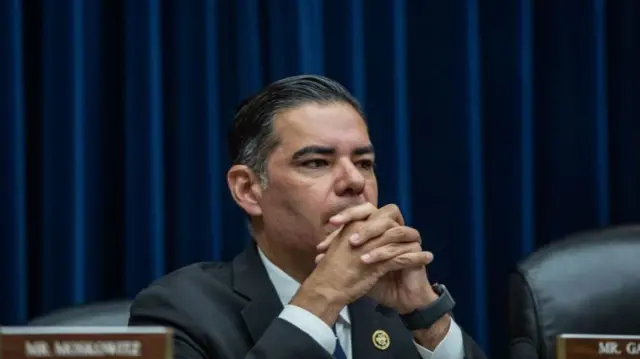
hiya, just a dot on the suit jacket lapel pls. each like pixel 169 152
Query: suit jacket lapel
pixel 252 282
pixel 365 321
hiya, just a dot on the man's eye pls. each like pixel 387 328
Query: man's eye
pixel 366 164
pixel 317 163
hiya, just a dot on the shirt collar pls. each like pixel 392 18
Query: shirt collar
pixel 286 286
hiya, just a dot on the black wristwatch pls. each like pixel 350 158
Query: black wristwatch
pixel 424 318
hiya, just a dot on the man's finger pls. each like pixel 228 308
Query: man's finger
pixel 389 251
pixel 324 245
pixel 408 260
pixel 355 213
pixel 373 228
pixel 319 257
pixel 398 234
pixel 369 213
pixel 393 212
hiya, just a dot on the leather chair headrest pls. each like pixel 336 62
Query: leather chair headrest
pixel 586 283
pixel 113 313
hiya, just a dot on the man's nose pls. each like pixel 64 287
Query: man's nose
pixel 351 181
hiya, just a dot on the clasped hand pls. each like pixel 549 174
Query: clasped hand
pixel 375 254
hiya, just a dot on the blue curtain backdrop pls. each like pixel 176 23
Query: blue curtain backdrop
pixel 501 125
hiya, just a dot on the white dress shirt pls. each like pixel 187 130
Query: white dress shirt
pixel 451 346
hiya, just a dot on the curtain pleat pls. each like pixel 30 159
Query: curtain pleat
pixel 13 157
pixel 214 124
pixel 64 153
pixel 400 115
pixel 476 165
pixel 250 72
pixel 499 127
pixel 623 87
pixel 310 31
pixel 144 144
pixel 601 112
pixel 524 70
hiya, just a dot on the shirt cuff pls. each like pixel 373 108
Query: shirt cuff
pixel 451 347
pixel 310 324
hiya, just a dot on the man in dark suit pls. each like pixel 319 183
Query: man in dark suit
pixel 329 274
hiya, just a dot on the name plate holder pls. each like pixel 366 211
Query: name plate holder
pixel 592 346
pixel 86 342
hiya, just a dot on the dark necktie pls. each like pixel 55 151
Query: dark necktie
pixel 338 353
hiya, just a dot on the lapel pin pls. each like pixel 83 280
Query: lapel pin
pixel 381 339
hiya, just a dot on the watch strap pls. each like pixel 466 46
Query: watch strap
pixel 424 318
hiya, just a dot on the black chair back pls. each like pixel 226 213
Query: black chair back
pixel 113 313
pixel 588 283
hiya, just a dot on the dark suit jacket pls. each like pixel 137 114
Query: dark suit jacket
pixel 230 310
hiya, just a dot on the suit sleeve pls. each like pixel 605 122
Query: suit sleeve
pixel 282 340
pixel 471 349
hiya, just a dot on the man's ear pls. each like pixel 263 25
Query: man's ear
pixel 245 189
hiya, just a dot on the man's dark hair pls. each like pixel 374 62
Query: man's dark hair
pixel 251 139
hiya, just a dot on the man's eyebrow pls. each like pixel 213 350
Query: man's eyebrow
pixel 363 150
pixel 318 150
pixel 321 150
